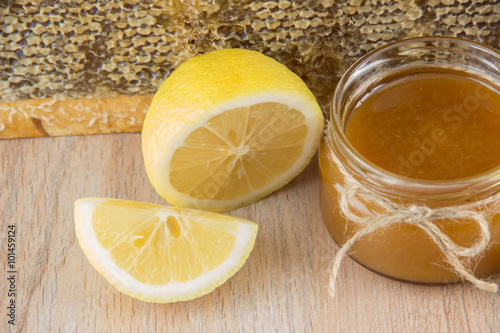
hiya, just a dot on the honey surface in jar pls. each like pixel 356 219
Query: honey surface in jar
pixel 437 126
pixel 430 126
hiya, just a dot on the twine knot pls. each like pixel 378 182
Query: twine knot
pixel 418 214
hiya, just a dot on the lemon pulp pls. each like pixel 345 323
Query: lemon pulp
pixel 154 246
pixel 238 151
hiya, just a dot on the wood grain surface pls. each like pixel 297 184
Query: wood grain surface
pixel 281 288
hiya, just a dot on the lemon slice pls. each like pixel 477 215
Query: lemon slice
pixel 161 254
pixel 227 128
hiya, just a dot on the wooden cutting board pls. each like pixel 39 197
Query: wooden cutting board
pixel 281 288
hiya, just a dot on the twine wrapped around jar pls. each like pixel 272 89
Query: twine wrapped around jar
pixel 420 216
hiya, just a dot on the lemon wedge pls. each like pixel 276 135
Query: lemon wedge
pixel 227 128
pixel 161 254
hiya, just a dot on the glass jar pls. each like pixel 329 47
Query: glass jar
pixel 403 250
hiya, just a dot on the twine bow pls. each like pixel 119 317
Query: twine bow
pixel 418 215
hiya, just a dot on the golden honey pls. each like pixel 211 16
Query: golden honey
pixel 424 131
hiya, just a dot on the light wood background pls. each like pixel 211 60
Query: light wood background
pixel 281 288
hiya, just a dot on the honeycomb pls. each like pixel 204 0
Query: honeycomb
pixel 92 49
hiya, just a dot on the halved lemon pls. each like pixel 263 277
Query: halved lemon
pixel 161 254
pixel 227 128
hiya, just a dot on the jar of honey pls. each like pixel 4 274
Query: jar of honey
pixel 410 162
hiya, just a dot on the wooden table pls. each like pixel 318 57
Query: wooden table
pixel 281 288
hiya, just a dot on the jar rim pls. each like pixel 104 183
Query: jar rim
pixel 480 182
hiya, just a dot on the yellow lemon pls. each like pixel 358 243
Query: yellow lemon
pixel 227 128
pixel 161 254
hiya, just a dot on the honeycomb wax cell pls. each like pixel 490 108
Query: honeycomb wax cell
pixel 96 49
